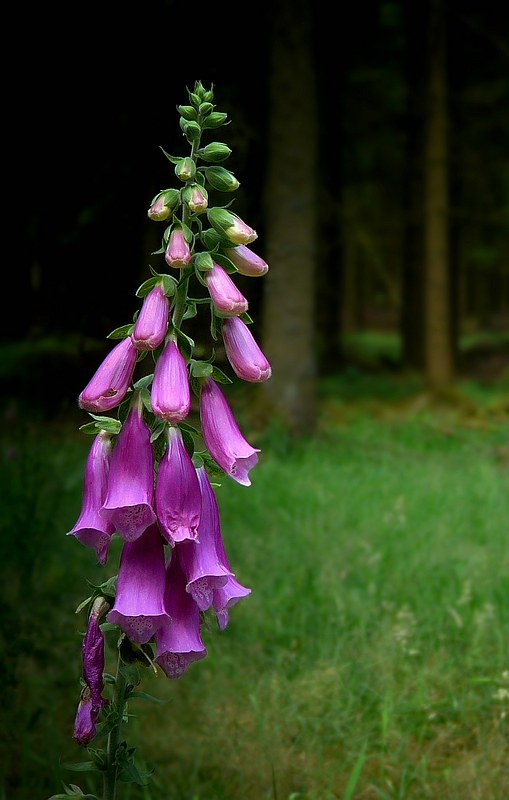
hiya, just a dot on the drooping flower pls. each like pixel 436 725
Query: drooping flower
pixel 231 226
pixel 225 296
pixel 110 383
pixel 178 644
pixel 128 502
pixel 224 597
pixel 91 700
pixel 139 601
pixel 92 529
pixel 247 360
pixel 222 436
pixel 170 396
pixel 177 253
pixel 150 327
pixel 178 498
pixel 200 559
pixel 247 262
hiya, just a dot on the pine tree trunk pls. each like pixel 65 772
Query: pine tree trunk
pixel 437 304
pixel 289 303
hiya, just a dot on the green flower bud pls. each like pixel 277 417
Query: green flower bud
pixel 222 180
pixel 185 170
pixel 215 152
pixel 205 108
pixel 192 131
pixel 214 120
pixel 188 112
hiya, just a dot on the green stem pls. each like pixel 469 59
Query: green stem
pixel 183 287
pixel 110 774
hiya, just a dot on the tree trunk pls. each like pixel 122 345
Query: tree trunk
pixel 289 303
pixel 437 302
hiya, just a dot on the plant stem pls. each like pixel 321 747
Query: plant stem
pixel 110 775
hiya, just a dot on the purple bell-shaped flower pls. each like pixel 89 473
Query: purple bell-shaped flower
pixel 178 497
pixel 178 644
pixel 222 436
pixel 139 602
pixel 111 381
pixel 200 559
pixel 92 529
pixel 128 503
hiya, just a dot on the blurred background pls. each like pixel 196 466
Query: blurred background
pixel 373 159
pixel 371 143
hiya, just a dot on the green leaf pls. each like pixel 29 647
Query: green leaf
pixel 169 285
pixel 81 766
pixel 354 776
pixel 173 159
pixel 225 262
pixel 128 772
pixel 149 697
pixel 144 382
pixel 184 426
pixel 246 318
pixel 219 376
pixel 147 286
pixel 201 369
pixel 89 427
pixel 122 332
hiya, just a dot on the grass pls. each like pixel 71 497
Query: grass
pixel 370 661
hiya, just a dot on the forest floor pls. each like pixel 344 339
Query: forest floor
pixel 371 659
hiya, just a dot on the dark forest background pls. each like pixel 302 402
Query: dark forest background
pixel 371 144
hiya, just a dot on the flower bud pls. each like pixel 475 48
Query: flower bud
pixel 185 170
pixel 196 197
pixel 221 179
pixel 188 112
pixel 215 152
pixel 225 296
pixel 150 327
pixel 163 205
pixel 110 383
pixel 246 358
pixel 192 131
pixel 177 253
pixel 170 396
pixel 231 226
pixel 247 262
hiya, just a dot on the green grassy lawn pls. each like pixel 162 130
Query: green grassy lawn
pixel 375 640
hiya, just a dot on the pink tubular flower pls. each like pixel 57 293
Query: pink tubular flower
pixel 179 644
pixel 247 262
pixel 150 327
pixel 159 210
pixel 246 358
pixel 227 299
pixel 92 529
pixel 139 602
pixel 231 226
pixel 222 436
pixel 91 700
pixel 200 559
pixel 110 383
pixel 177 253
pixel 178 498
pixel 224 597
pixel 128 502
pixel 170 396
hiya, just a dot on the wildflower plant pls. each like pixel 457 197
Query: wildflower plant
pixel 146 479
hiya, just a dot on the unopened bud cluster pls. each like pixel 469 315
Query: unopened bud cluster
pixel 173 563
